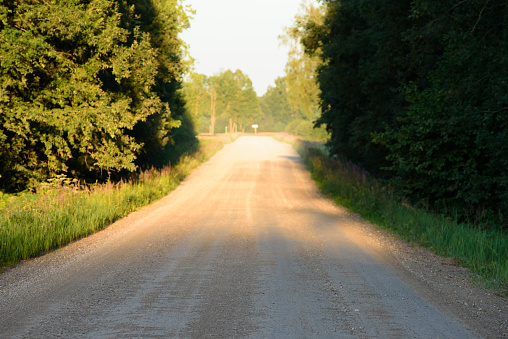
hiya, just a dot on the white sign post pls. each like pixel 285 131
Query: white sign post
pixel 255 128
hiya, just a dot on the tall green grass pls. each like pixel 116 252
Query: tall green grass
pixel 483 250
pixel 32 224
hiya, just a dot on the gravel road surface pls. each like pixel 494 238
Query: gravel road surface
pixel 246 246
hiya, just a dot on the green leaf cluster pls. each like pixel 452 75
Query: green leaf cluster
pixel 80 81
pixel 451 145
pixel 416 91
pixel 363 64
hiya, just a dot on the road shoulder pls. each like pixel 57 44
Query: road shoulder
pixel 452 288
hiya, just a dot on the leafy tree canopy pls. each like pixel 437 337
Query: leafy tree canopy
pixel 76 80
pixel 416 91
pixel 303 90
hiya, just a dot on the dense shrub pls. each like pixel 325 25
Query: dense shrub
pixel 416 91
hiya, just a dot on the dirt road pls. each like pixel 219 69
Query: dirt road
pixel 245 247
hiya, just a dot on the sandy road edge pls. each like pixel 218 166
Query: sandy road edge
pixel 453 289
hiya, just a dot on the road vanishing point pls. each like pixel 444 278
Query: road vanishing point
pixel 245 247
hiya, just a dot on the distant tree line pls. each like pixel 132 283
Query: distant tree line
pixel 227 102
pixel 89 89
pixel 417 92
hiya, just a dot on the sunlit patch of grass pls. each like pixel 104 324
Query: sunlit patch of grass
pixel 484 251
pixel 32 224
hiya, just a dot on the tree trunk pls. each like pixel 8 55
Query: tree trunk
pixel 213 102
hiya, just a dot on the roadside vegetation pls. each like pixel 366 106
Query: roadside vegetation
pixel 415 92
pixel 63 210
pixel 414 104
pixel 485 251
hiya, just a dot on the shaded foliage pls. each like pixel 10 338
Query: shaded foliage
pixel 416 91
pixel 450 147
pixel 363 65
pixel 162 142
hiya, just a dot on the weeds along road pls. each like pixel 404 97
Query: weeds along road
pixel 245 247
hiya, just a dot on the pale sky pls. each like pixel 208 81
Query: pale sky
pixel 241 34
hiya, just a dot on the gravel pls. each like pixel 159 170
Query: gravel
pixel 246 247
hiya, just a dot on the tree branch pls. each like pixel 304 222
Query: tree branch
pixel 479 17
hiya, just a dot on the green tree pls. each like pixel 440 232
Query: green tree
pixel 301 67
pixel 277 111
pixel 419 88
pixel 237 101
pixel 78 78
pixel 196 96
pixel 364 64
pixel 450 148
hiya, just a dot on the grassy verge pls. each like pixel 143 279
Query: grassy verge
pixel 484 251
pixel 32 224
